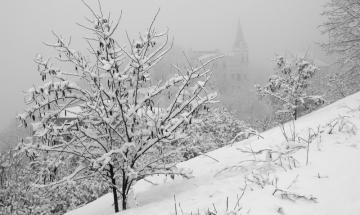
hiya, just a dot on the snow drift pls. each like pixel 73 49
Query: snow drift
pixel 257 183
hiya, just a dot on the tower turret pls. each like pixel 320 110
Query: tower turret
pixel 240 48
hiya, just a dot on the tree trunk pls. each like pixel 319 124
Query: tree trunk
pixel 124 200
pixel 124 193
pixel 295 109
pixel 113 182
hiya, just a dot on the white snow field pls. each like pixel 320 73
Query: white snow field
pixel 328 185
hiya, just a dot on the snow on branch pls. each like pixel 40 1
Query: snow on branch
pixel 103 115
pixel 287 87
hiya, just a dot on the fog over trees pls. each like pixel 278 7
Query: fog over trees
pixel 196 25
pixel 107 101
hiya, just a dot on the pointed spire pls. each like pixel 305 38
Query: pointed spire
pixel 239 39
pixel 240 47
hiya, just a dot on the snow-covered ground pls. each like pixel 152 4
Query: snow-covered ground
pixel 328 185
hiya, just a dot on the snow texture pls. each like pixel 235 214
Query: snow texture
pixel 328 185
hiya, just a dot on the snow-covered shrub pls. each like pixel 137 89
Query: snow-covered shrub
pixel 342 84
pixel 69 196
pixel 287 87
pixel 216 129
pixel 18 196
pixel 334 82
pixel 105 115
pixel 265 123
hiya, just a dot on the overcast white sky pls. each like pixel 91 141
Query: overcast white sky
pixel 270 26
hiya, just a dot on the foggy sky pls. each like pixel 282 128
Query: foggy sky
pixel 270 27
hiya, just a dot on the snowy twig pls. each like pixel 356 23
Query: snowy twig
pixel 293 196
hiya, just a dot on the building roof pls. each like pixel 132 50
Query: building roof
pixel 240 43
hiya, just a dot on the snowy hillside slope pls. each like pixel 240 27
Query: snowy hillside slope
pixel 328 185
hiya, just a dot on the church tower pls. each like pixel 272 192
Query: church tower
pixel 240 48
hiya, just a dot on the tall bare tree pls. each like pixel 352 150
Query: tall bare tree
pixel 343 27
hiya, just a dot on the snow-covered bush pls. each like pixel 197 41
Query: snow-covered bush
pixel 265 123
pixel 104 114
pixel 287 87
pixel 216 129
pixel 345 83
pixel 17 196
pixel 334 82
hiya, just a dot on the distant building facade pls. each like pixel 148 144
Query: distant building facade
pixel 231 70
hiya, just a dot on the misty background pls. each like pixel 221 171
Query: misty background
pixel 270 27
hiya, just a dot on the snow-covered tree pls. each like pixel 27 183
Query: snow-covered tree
pixel 287 86
pixel 342 26
pixel 343 83
pixel 17 196
pixel 216 129
pixel 101 116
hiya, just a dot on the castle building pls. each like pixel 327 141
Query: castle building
pixel 237 60
pixel 231 70
pixel 240 49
